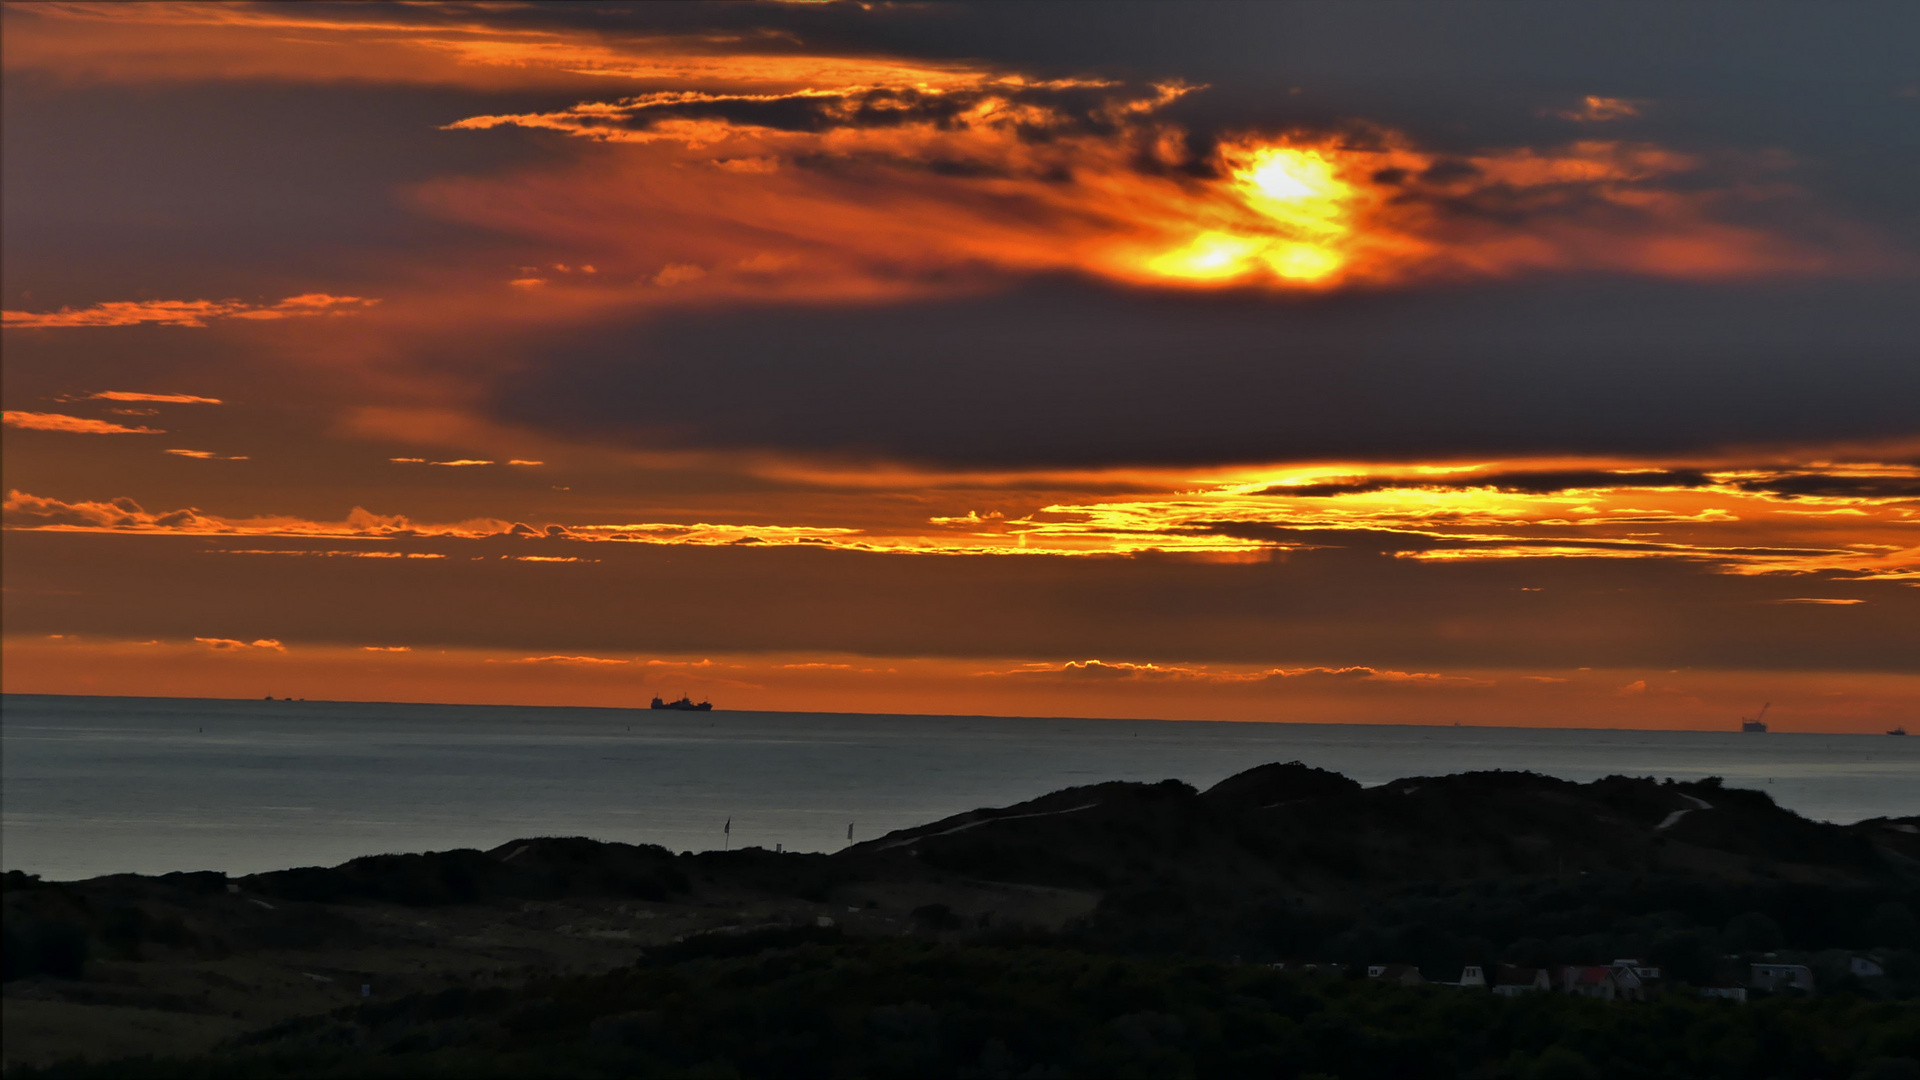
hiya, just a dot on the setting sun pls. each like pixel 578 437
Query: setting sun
pixel 1287 216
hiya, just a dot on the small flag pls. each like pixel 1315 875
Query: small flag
pixel 728 827
pixel 849 830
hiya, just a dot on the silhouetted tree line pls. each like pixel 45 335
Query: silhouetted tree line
pixel 809 1003
pixel 1685 926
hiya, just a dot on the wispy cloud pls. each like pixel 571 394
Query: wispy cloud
pixel 461 462
pixel 334 553
pixel 1594 109
pixel 1852 520
pixel 170 399
pixel 72 425
pixel 218 644
pixel 432 45
pixel 208 455
pixel 125 515
pixel 182 313
pixel 1101 670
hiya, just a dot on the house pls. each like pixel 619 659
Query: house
pixel 1632 980
pixel 1403 974
pixel 1586 981
pixel 1782 977
pixel 1300 967
pixel 1646 973
pixel 1626 985
pixel 1510 981
pixel 1471 975
pixel 1731 993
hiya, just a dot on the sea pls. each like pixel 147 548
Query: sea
pixel 100 785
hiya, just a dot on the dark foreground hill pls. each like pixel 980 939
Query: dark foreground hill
pixel 1285 860
pixel 813 1003
pixel 986 944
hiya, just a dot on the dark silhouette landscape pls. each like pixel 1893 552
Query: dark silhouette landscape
pixel 1285 922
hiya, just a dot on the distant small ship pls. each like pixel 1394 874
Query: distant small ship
pixel 685 704
pixel 1898 731
pixel 1754 722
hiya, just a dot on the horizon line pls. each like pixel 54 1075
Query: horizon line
pixel 934 716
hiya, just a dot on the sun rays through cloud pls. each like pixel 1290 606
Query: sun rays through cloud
pixel 989 186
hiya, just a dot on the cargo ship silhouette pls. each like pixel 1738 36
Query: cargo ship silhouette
pixel 685 704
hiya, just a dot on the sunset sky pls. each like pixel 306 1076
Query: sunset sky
pixel 1487 363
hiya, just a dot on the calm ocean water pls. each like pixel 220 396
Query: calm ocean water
pixel 103 785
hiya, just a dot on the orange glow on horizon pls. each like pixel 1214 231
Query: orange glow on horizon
pixel 219 667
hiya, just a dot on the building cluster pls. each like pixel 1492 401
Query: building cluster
pixel 1622 980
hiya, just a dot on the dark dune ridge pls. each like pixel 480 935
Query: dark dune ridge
pixel 1283 862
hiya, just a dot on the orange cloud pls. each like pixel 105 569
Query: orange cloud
pixel 1851 520
pixel 330 554
pixel 232 645
pixel 181 313
pixel 420 44
pixel 461 462
pixel 171 399
pixel 1594 109
pixel 567 660
pixel 1105 670
pixel 207 455
pixel 24 511
pixel 909 175
pixel 72 425
pixel 985 181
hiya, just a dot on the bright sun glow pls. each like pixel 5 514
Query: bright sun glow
pixel 1288 216
pixel 1298 179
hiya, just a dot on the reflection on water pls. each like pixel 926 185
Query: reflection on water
pixel 102 785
